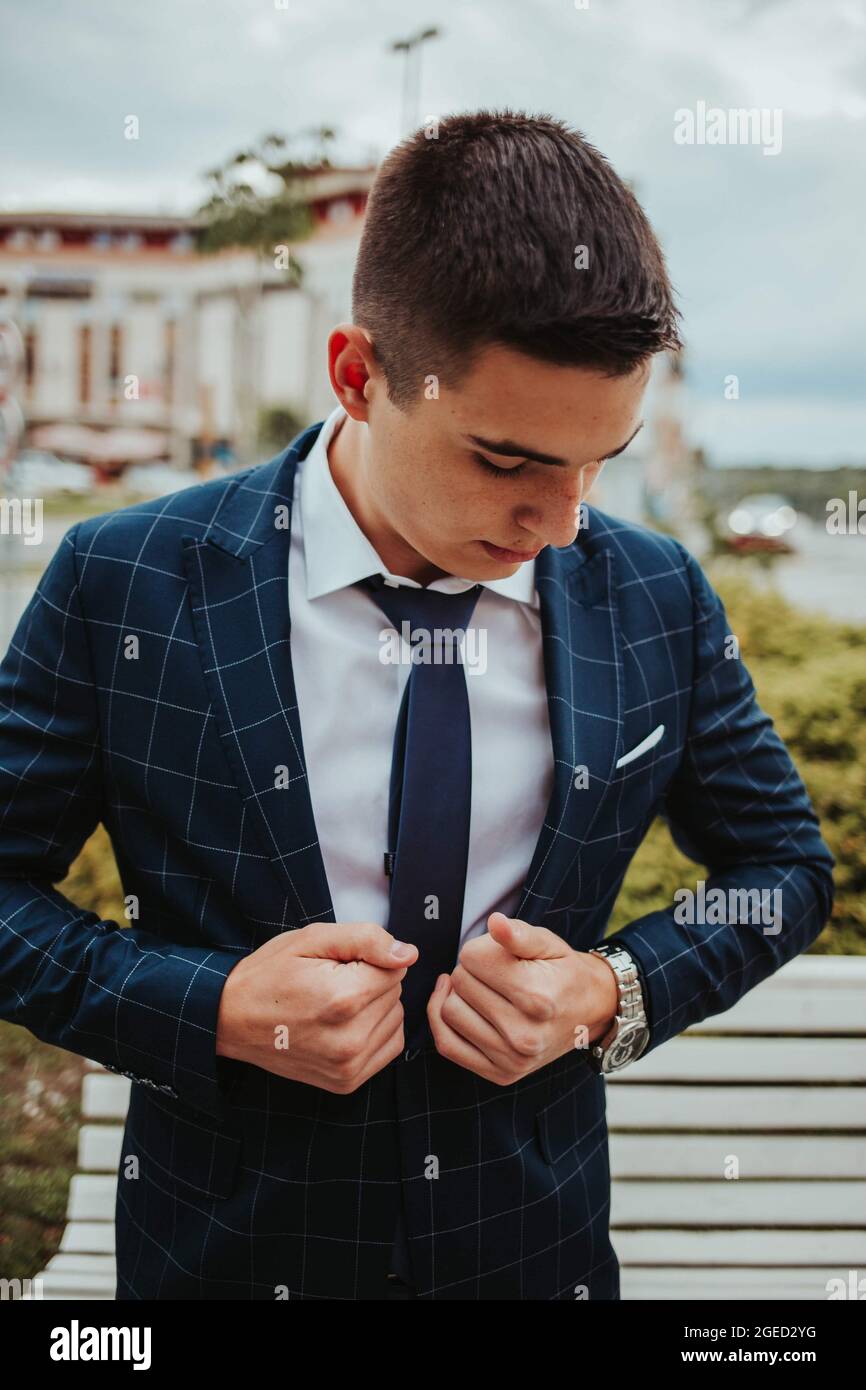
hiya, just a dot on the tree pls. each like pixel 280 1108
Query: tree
pixel 259 201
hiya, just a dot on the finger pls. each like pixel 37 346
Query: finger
pixel 473 1028
pixel 450 1045
pixel 524 940
pixel 394 1042
pixel 496 1008
pixel 366 982
pixel 387 1033
pixel 372 1042
pixel 493 965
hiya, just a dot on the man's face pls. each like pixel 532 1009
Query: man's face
pixel 434 496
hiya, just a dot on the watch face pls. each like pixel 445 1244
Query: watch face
pixel 626 1046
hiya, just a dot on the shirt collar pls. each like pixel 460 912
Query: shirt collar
pixel 337 553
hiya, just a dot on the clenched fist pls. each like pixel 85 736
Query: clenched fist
pixel 519 998
pixel 319 1005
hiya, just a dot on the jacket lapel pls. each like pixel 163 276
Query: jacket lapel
pixel 238 574
pixel 583 673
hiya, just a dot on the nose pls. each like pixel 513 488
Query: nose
pixel 555 517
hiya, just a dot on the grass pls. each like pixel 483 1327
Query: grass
pixel 40 1092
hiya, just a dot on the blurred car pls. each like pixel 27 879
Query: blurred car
pixel 36 473
pixel 157 479
pixel 761 521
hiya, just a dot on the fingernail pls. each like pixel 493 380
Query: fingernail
pixel 401 949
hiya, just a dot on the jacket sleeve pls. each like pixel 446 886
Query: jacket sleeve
pixel 737 805
pixel 122 996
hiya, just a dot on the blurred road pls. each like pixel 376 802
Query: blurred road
pixel 827 575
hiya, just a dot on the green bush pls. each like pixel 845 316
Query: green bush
pixel 810 675
pixel 278 425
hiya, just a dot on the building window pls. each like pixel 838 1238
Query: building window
pixel 85 361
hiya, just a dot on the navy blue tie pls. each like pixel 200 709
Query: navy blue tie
pixel 429 806
pixel 431 788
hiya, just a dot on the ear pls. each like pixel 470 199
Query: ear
pixel 350 366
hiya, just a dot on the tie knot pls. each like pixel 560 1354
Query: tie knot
pixel 431 614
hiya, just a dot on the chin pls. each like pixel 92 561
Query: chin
pixel 502 568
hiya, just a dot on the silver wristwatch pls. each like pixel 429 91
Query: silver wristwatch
pixel 629 1034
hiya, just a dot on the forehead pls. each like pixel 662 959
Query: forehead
pixel 509 395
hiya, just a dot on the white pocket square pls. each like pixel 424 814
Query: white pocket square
pixel 649 742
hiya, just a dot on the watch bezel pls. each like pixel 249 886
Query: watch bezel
pixel 626 1046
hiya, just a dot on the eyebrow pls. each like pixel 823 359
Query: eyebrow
pixel 508 449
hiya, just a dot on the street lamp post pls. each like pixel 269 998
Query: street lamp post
pixel 11 428
pixel 412 74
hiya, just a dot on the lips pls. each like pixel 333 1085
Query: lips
pixel 511 557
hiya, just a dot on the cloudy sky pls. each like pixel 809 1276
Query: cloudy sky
pixel 766 250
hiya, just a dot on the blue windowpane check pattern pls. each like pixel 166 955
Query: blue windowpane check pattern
pixel 190 753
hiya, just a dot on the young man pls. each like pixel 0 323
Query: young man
pixel 292 791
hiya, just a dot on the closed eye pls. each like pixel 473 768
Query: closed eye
pixel 494 468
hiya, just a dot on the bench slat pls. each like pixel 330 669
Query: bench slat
pixel 99 1148
pixel 810 994
pixel 710 1060
pixel 725 1283
pixel 91 1197
pixel 758 1108
pixel 748 1246
pixel 104 1096
pixel 88 1237
pixel 88 1264
pixel 739 1203
pixel 760 1156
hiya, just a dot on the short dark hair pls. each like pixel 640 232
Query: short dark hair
pixel 470 239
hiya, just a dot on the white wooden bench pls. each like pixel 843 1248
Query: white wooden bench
pixel 778 1082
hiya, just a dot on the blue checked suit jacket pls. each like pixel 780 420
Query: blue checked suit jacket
pixel 253 1187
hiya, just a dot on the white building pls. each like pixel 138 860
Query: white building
pixel 124 323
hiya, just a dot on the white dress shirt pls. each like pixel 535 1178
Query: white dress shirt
pixel 349 698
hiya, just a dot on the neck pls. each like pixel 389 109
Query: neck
pixel 349 462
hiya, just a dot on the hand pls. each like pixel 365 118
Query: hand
pixel 519 998
pixel 319 1005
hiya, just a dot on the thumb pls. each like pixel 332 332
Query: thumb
pixel 344 941
pixel 524 940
